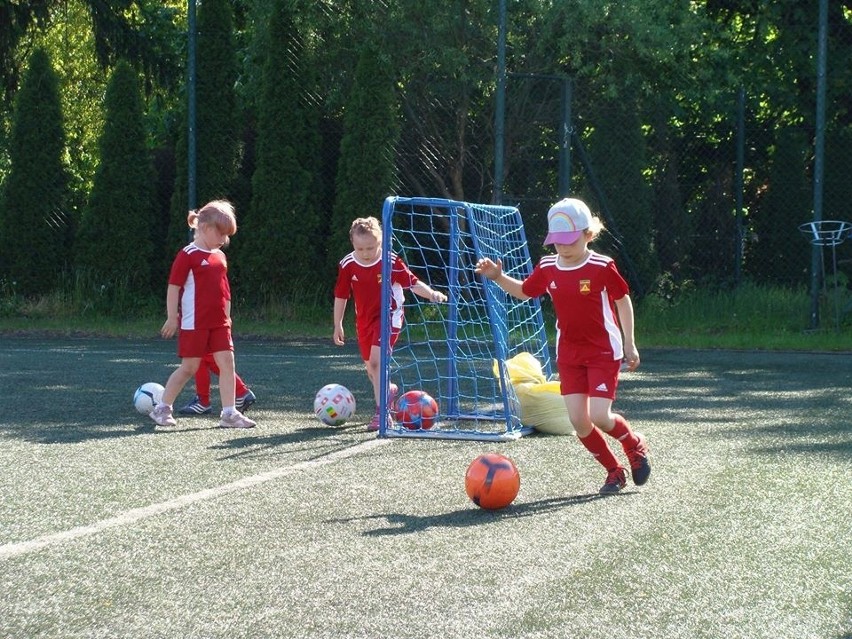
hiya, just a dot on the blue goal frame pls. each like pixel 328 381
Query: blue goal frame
pixel 458 351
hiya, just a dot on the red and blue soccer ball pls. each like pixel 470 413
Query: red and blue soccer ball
pixel 416 410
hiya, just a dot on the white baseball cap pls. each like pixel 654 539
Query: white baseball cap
pixel 566 221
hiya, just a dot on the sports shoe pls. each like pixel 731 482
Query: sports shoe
pixel 245 401
pixel 195 407
pixel 162 416
pixel 374 423
pixel 638 456
pixel 615 481
pixel 236 420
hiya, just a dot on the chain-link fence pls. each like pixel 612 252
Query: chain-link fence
pixel 682 204
pixel 695 190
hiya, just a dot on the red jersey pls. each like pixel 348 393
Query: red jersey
pixel 365 285
pixel 583 297
pixel 205 291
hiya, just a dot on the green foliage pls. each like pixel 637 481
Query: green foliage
pixel 749 316
pixel 837 193
pixel 367 152
pixel 116 234
pixel 82 82
pixel 617 149
pixel 673 230
pixel 15 19
pixel 778 253
pixel 278 240
pixel 216 124
pixel 446 88
pixel 144 32
pixel 35 226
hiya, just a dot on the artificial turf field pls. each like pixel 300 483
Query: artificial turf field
pixel 109 529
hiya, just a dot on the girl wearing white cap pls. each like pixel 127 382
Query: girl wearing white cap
pixel 594 332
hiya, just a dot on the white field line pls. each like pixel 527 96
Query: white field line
pixel 137 514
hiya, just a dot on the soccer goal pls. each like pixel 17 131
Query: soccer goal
pixel 457 352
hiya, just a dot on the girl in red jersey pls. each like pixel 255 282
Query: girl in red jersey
pixel 360 273
pixel 198 302
pixel 594 333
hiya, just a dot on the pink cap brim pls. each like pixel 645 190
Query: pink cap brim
pixel 562 237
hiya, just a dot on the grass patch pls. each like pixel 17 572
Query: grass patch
pixel 298 531
pixel 748 317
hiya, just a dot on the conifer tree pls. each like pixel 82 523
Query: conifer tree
pixel 35 226
pixel 115 238
pixel 367 151
pixel 279 243
pixel 216 125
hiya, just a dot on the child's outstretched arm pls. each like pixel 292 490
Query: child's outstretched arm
pixel 494 272
pixel 425 291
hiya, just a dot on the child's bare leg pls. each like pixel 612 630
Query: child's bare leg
pixel 373 370
pixel 178 379
pixel 578 413
pixel 227 385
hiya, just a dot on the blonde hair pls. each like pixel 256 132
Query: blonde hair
pixel 595 228
pixel 218 213
pixel 366 226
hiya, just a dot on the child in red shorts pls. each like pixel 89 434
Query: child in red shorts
pixel 594 327
pixel 198 302
pixel 360 274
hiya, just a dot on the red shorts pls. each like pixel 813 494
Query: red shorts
pixel 370 335
pixel 201 341
pixel 593 378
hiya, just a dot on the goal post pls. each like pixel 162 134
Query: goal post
pixel 457 351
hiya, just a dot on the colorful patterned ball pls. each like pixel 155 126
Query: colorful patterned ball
pixel 416 410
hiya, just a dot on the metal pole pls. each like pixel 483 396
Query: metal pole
pixel 819 156
pixel 565 142
pixel 500 105
pixel 191 165
pixel 738 250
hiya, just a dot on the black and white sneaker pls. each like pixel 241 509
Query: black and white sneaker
pixel 195 407
pixel 245 401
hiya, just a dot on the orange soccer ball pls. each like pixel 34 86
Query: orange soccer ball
pixel 492 481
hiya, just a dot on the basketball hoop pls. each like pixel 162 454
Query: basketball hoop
pixel 826 232
pixel 829 233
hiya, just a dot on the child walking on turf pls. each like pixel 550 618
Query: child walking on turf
pixel 360 274
pixel 594 327
pixel 198 302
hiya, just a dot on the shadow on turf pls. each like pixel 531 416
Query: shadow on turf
pixel 404 524
pixel 263 443
pixel 78 434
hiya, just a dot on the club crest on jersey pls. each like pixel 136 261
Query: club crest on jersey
pixel 585 287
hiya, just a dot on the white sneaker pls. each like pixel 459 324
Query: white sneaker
pixel 236 420
pixel 162 415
